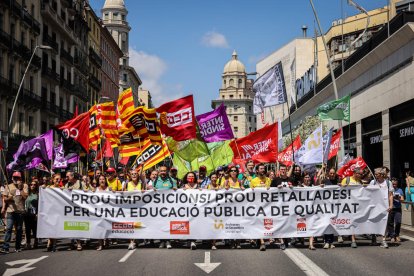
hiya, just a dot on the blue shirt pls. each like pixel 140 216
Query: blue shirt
pixel 397 203
pixel 165 184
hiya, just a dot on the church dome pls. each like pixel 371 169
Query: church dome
pixel 114 4
pixel 234 65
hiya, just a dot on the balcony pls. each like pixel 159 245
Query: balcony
pixel 50 107
pixel 66 84
pixel 66 56
pixel 94 82
pixel 80 64
pixel 29 20
pixel 5 39
pixel 30 98
pixel 65 115
pixel 49 72
pixel 80 91
pixel 48 40
pixel 95 57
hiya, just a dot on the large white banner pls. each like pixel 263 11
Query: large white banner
pixel 225 214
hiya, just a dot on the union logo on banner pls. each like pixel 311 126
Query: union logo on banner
pixel 268 223
pixel 301 225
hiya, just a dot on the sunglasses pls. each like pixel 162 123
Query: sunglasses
pixel 233 170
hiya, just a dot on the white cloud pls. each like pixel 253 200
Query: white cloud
pixel 214 39
pixel 151 69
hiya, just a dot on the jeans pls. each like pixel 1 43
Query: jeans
pixel 13 219
pixel 30 222
pixel 394 223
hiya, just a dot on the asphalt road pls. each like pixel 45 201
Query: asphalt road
pixel 343 260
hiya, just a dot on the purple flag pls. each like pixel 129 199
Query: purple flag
pixel 61 161
pixel 215 125
pixel 33 152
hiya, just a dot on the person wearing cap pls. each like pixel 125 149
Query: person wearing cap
pixel 14 195
pixel 203 180
pixel 113 182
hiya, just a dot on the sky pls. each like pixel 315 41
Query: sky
pixel 180 47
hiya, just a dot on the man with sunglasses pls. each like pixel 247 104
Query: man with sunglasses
pixel 14 195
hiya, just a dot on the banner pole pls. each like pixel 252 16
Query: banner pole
pixel 4 160
pixel 291 133
pixel 237 147
pixel 2 170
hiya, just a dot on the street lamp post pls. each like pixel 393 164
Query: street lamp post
pixel 43 47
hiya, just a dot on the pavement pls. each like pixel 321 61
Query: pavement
pixel 149 260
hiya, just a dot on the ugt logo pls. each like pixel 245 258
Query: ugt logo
pixel 301 225
pixel 218 224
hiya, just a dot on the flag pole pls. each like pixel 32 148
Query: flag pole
pixel 291 132
pixel 237 147
pixel 4 160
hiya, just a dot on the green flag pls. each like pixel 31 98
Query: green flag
pixel 336 110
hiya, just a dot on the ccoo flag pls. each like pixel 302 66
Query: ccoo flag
pixel 269 89
pixel 336 110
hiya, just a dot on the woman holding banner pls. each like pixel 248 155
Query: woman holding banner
pixel 56 179
pixel 102 187
pixel 214 185
pixel 307 182
pixel 190 183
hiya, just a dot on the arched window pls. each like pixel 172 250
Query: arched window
pixel 240 83
pixel 231 83
pixel 224 82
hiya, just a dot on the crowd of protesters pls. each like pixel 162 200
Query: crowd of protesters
pixel 20 201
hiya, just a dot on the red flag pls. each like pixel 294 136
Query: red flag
pixel 335 143
pixel 285 156
pixel 177 119
pixel 348 168
pixel 106 151
pixel 77 129
pixel 260 146
pixel 76 112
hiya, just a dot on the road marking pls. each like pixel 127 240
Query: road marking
pixel 207 267
pixel 304 263
pixel 127 255
pixel 407 237
pixel 24 268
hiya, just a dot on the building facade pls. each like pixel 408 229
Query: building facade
pixel 111 55
pixel 144 98
pixel 237 95
pixel 94 57
pixel 379 78
pixel 114 15
pixel 56 32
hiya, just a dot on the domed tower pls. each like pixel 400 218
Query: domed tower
pixel 237 95
pixel 114 14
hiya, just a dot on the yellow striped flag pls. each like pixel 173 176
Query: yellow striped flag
pixel 142 123
pixel 151 155
pixel 125 105
pixel 94 130
pixel 107 122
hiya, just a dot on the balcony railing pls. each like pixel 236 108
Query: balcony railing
pixel 95 57
pixel 80 63
pixel 66 55
pixel 5 39
pixel 49 72
pixel 48 40
pixel 95 82
pixel 31 98
pixel 30 21
pixel 66 84
pixel 80 91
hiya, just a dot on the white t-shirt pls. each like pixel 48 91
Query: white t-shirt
pixel 385 184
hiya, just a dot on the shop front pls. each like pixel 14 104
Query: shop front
pixel 372 151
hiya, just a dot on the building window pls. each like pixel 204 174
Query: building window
pixel 223 97
pixel 250 119
pixel 231 96
pixel 255 119
pixel 224 82
pixel 125 77
pixel 236 129
pixel 31 121
pixel 231 83
pixel 115 15
pixel 250 108
pixel 236 118
pixel 106 15
pixel 21 123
